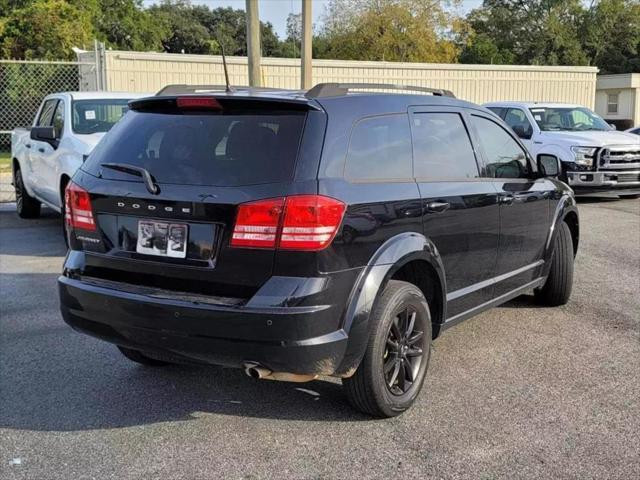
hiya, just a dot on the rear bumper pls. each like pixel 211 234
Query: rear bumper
pixel 293 339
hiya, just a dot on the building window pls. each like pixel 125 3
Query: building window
pixel 612 103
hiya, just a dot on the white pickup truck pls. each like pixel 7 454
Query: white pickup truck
pixel 593 157
pixel 65 130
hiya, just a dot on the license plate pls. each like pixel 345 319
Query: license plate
pixel 162 239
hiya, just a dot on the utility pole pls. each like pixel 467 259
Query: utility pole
pixel 307 35
pixel 253 43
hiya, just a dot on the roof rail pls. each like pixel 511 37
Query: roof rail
pixel 338 89
pixel 180 89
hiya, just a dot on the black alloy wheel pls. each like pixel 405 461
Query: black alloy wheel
pixel 404 354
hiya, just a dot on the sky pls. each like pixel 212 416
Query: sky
pixel 276 11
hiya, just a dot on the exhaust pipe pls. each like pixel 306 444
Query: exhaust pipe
pixel 255 370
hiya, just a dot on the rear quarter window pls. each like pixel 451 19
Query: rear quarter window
pixel 196 149
pixel 380 150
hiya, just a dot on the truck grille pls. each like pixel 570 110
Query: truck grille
pixel 619 157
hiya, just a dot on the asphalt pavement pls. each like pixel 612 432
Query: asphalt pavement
pixel 517 392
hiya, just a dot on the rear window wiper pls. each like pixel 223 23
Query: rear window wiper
pixel 147 178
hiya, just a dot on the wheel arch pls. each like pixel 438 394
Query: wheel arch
pixel 16 166
pixel 410 257
pixel 64 180
pixel 423 275
pixel 571 219
pixel 566 211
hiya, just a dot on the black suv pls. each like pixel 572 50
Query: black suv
pixel 292 234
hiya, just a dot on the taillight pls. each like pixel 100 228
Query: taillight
pixel 77 204
pixel 257 224
pixel 299 222
pixel 310 222
pixel 198 103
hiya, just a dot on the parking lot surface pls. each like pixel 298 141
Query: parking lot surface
pixel 517 392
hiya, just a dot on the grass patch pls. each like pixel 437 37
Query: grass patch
pixel 5 161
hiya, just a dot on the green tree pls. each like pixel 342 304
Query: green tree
pixel 541 32
pixel 290 47
pixel 125 25
pixel 611 35
pixel 185 34
pixel 481 48
pixel 392 30
pixel 230 27
pixel 45 29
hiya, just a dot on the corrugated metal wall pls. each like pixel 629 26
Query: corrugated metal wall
pixel 148 72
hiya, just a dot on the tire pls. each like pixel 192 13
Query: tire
pixel 26 205
pixel 139 357
pixel 373 389
pixel 629 197
pixel 557 289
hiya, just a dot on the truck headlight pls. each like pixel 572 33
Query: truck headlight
pixel 584 155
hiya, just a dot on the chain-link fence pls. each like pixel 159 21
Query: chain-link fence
pixel 23 84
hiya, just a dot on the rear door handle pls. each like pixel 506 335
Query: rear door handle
pixel 438 207
pixel 28 145
pixel 41 150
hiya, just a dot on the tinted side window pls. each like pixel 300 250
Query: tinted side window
pixel 380 149
pixel 504 157
pixel 442 148
pixel 58 119
pixel 47 113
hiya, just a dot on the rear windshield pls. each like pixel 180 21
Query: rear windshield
pixel 93 116
pixel 195 149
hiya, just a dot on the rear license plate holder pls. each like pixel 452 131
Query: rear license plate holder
pixel 162 239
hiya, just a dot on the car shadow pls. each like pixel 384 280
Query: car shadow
pixel 596 199
pixel 54 379
pixel 40 237
pixel 523 301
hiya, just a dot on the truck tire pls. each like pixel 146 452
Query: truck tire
pixel 557 289
pixel 139 357
pixel 26 205
pixel 393 369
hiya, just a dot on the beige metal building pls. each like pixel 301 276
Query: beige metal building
pixel 618 99
pixel 140 72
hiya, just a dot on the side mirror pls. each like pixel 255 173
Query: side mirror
pixel 613 126
pixel 521 132
pixel 44 134
pixel 548 166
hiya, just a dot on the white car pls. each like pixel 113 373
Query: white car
pixel 65 130
pixel 593 156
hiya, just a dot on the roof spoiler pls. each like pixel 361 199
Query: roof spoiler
pixel 183 89
pixel 323 90
pixel 172 102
